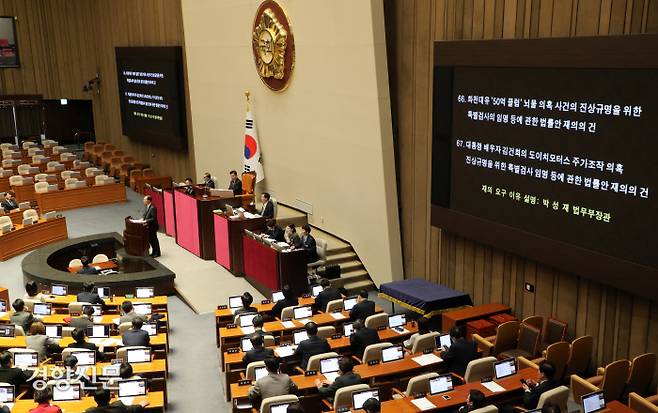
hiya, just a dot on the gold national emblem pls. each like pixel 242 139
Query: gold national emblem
pixel 273 45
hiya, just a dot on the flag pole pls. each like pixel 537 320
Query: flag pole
pixel 247 94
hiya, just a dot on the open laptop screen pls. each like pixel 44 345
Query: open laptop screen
pixel 277 296
pixel 302 312
pixel 360 397
pixel 440 384
pixel 6 393
pixel 299 336
pixel 139 355
pixel 235 301
pixel 593 402
pixel 132 387
pixel 66 392
pixel 144 292
pixel 504 368
pixel 349 302
pixel 58 289
pixel 329 365
pixel 392 353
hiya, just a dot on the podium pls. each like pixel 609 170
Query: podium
pixel 135 238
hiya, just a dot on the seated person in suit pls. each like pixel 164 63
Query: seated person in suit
pixel 311 346
pixel 9 374
pixel 247 299
pixel 474 401
pixel 86 268
pixel 235 184
pixel 274 384
pixel 423 328
pixel 207 181
pixel 291 237
pixel 533 390
pixel 102 398
pixel 125 373
pixel 20 317
pixel 460 353
pixel 327 294
pixel 189 190
pixel 32 291
pixel 289 300
pixel 79 337
pixel 346 377
pixel 362 337
pixel 9 203
pixel 87 295
pixel 38 341
pixel 258 322
pixel 274 231
pixel 259 352
pixel 308 243
pixel 267 211
pixel 71 365
pixel 363 308
pixel 43 398
pixel 372 405
pixel 135 336
pixel 129 314
pixel 85 320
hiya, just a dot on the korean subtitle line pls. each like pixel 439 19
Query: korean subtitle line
pixel 532 121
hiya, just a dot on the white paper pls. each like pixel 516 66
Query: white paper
pixel 427 359
pixel 286 351
pixel 338 316
pixel 137 220
pixel 128 401
pixel 98 319
pixel 493 386
pixel 331 376
pixel 423 404
pixel 305 320
pixel 248 330
pixel 288 324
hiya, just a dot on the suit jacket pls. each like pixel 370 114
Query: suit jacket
pixel 13 376
pixel 88 297
pixel 136 338
pixel 9 206
pixel 257 354
pixel 81 322
pixel 308 243
pixel 272 385
pixel 116 407
pixel 310 347
pixel 235 186
pixel 531 398
pixel 46 408
pixel 281 304
pixel 42 344
pixel 362 339
pixel 23 319
pixel 295 241
pixel 324 297
pixel 151 217
pixel 189 190
pixel 268 210
pixel 460 353
pixel 243 310
pixel 210 184
pixel 362 310
pixel 344 380
pixel 276 233
pixel 89 270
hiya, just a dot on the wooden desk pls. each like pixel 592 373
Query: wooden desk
pixel 24 239
pixel 100 266
pixel 81 197
pixel 156 404
pixel 157 341
pixel 24 192
pixel 164 182
pixel 17 216
pixel 450 319
pixel 155 368
pixel 228 240
pixel 159 301
pixel 108 319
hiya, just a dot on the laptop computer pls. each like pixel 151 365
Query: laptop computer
pixel 103 292
pixel 142 308
pixel 144 292
pixel 7 393
pixel 66 392
pixel 316 289
pixel 329 368
pixel 26 359
pixel 151 328
pixel 85 357
pixel 443 340
pixel 98 331
pixel 348 329
pixel 302 312
pixel 245 344
pixel 279 407
pixel 59 290
pixel 299 336
pixel 359 397
pixel 440 384
pixel 392 353
pixel 277 296
pixel 42 309
pixel 138 355
pixel 593 402
pixel 132 387
pixel 235 301
pixel 396 321
pixel 98 309
pixel 247 319
pixel 349 302
pixel 504 368
pixel 7 330
pixel 54 331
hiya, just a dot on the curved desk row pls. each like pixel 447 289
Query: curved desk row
pixel 27 238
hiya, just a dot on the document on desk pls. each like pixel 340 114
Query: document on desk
pixel 427 359
pixel 137 221
pixel 305 320
pixel 288 324
pixel 331 377
pixel 286 351
pixel 338 316
pixel 493 386
pixel 97 319
pixel 423 404
pixel 127 400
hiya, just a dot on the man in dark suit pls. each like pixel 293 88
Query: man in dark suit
pixel 258 353
pixel 235 184
pixel 289 300
pixel 207 181
pixel 533 390
pixel 267 211
pixel 20 317
pixel 364 308
pixel 308 243
pixel 103 397
pixel 86 268
pixel 190 186
pixel 135 336
pixel 85 320
pixel 247 299
pixel 274 231
pixel 11 375
pixel 9 204
pixel 327 294
pixel 460 353
pixel 311 346
pixel 88 295
pixel 346 378
pixel 150 217
pixel 362 337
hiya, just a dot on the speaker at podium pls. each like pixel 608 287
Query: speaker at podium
pixel 135 237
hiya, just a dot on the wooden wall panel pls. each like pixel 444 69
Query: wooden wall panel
pixel 623 325
pixel 63 43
